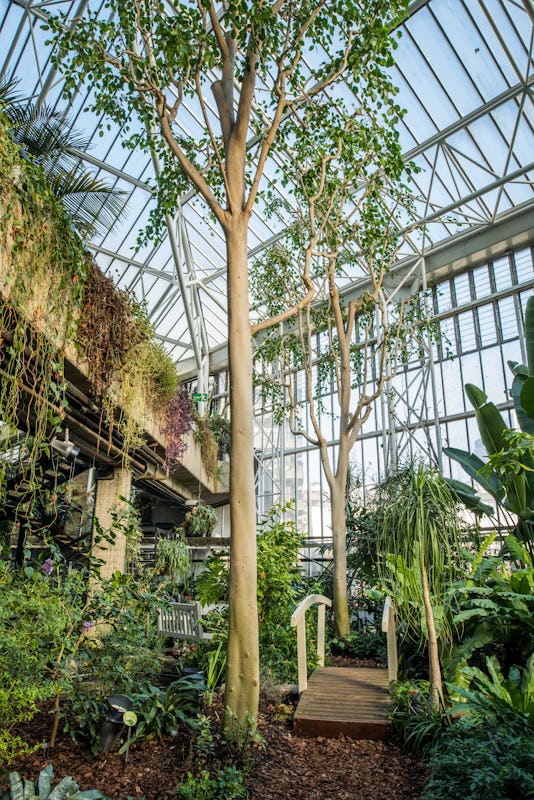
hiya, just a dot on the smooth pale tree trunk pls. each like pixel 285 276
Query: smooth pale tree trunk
pixel 434 669
pixel 337 483
pixel 339 546
pixel 242 677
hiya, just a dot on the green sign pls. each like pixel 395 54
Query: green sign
pixel 200 397
pixel 129 718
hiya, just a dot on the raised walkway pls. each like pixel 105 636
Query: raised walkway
pixel 347 700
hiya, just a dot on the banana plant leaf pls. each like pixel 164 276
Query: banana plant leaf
pixel 467 495
pixel 472 464
pixel 526 422
pixel 490 421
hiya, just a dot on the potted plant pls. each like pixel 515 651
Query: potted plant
pixel 200 521
pixel 220 427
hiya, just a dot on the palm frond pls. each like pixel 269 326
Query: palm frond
pixel 92 204
pixel 48 138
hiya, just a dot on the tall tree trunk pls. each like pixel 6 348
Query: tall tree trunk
pixel 242 678
pixel 339 545
pixel 434 669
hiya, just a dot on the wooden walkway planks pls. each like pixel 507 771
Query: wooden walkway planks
pixel 351 701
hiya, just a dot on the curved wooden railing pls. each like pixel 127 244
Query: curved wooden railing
pixel 298 621
pixel 389 627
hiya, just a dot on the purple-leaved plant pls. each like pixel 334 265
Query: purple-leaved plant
pixel 177 421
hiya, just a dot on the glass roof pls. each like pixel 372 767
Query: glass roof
pixel 465 73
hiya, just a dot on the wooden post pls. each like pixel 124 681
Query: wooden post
pixel 389 627
pixel 298 621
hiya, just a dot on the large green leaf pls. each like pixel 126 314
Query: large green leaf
pixel 526 422
pixel 467 495
pixel 472 464
pixel 518 369
pixel 476 396
pixel 527 397
pixel 492 427
pixel 529 334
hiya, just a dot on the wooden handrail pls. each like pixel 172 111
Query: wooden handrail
pixel 389 627
pixel 298 621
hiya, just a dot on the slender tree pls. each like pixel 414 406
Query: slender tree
pixel 350 214
pixel 420 555
pixel 263 62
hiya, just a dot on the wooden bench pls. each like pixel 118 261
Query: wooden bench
pixel 181 621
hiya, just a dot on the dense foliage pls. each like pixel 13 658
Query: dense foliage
pixel 280 588
pixel 477 762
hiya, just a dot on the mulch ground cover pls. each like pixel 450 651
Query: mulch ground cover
pixel 286 768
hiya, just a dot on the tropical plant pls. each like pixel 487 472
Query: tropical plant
pixel 494 607
pixel 414 719
pixel 160 711
pixel 48 138
pixel 508 473
pixel 477 762
pixel 498 699
pixel 173 557
pixel 280 587
pixel 41 789
pixel 228 783
pixel 420 547
pixel 256 53
pixel 201 520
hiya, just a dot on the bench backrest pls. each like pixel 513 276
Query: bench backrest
pixel 181 621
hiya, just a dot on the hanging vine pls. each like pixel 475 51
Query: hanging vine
pixel 43 269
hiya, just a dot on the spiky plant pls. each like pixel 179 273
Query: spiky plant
pixel 48 138
pixel 419 547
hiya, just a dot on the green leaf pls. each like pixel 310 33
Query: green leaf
pixel 526 423
pixel 527 397
pixel 529 334
pixel 472 464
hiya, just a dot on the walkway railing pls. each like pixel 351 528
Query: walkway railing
pixel 389 627
pixel 298 621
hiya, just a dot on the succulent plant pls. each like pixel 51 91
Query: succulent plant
pixel 41 789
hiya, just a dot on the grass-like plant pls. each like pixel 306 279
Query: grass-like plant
pixel 420 546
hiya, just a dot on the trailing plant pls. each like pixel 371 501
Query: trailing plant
pixel 173 557
pixel 476 762
pixel 35 233
pixel 200 521
pixel 205 438
pixel 220 427
pixel 177 422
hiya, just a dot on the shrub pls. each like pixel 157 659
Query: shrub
pixel 472 762
pixel 280 587
pixel 414 720
pixel 362 645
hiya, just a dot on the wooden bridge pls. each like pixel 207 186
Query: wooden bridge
pixel 351 701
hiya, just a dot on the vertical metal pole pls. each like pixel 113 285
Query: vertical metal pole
pixel 431 367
